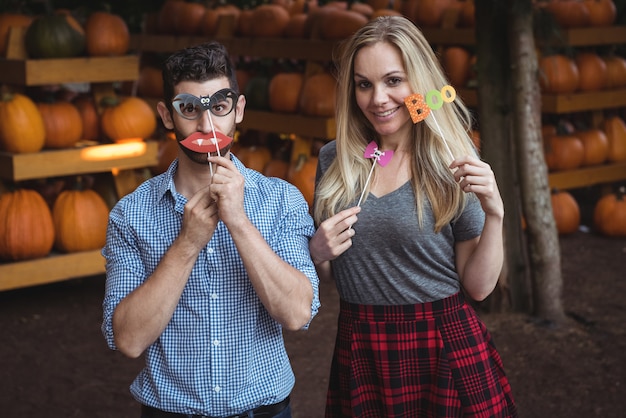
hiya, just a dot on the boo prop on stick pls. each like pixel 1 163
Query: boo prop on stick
pixel 419 109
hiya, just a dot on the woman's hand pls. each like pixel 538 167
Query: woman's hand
pixel 475 176
pixel 334 236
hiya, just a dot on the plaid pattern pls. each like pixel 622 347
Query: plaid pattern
pixel 433 359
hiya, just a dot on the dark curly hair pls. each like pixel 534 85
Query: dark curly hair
pixel 197 63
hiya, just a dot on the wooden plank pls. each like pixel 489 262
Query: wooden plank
pixel 440 36
pixel 55 163
pixel 50 269
pixel 588 176
pixel 311 49
pixel 565 103
pixel 69 70
pixel 576 102
pixel 289 124
pixel 609 35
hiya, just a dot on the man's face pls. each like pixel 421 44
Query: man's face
pixel 202 108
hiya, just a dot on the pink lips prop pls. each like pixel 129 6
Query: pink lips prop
pixel 204 143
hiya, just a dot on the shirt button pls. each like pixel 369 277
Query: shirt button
pixel 210 250
pixel 213 295
pixel 216 342
pixel 217 388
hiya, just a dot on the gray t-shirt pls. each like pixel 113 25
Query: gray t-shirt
pixel 392 260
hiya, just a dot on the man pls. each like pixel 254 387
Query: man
pixel 208 262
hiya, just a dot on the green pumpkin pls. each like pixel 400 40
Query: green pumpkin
pixel 257 92
pixel 54 36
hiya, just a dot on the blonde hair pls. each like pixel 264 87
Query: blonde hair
pixel 431 178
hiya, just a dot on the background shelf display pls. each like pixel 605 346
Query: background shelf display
pixel 69 70
pixel 55 163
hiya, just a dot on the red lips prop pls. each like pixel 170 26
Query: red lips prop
pixel 206 143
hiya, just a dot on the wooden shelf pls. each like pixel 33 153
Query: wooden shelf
pixel 54 268
pixel 289 123
pixel 56 163
pixel 440 36
pixel 31 72
pixel 571 37
pixel 309 49
pixel 588 176
pixel 608 35
pixel 566 103
pixel 576 102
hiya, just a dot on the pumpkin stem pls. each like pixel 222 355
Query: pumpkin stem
pixel 6 96
pixel 78 183
pixel 109 101
pixel 300 162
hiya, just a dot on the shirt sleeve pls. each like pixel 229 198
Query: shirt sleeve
pixel 124 269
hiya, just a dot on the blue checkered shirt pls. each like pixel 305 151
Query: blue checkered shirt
pixel 221 353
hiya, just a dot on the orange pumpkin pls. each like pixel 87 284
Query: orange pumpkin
pixel 7 21
pixel 569 13
pixel 615 71
pixel 106 35
pixel 456 62
pixel 395 5
pixel 609 214
pixel 244 23
pixel 254 156
pixel 384 12
pixel 168 152
pixel 596 146
pixel 214 18
pixel 26 227
pixel 563 152
pixel 601 12
pixel 318 95
pixel 468 14
pixel 558 74
pixel 21 124
pixel 284 91
pixel 89 114
pixel 150 82
pixel 592 71
pixel 80 220
pixel 340 24
pixel 130 117
pixel 615 130
pixel 276 168
pixel 429 13
pixel 296 27
pixel 188 18
pixel 566 212
pixel 63 124
pixel 269 20
pixel 168 15
pixel 302 6
pixel 302 175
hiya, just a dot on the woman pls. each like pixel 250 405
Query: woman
pixel 429 231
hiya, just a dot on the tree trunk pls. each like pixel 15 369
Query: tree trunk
pixel 543 240
pixel 497 145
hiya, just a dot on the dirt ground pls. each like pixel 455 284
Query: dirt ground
pixel 54 362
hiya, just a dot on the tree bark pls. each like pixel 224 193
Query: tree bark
pixel 497 148
pixel 543 240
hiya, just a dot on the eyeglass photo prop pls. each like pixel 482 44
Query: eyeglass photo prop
pixel 419 109
pixel 191 107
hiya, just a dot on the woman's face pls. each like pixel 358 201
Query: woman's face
pixel 205 123
pixel 381 85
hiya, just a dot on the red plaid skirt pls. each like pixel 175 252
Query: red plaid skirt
pixel 434 359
